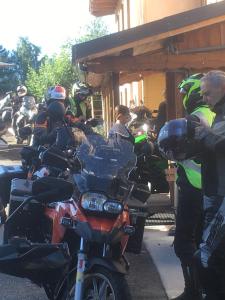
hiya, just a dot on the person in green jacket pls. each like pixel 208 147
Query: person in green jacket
pixel 79 105
pixel 189 217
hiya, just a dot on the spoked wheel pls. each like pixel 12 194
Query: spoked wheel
pixel 102 284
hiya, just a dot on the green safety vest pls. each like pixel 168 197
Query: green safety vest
pixel 83 107
pixel 193 169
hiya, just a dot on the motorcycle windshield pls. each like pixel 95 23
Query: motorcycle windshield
pixel 103 165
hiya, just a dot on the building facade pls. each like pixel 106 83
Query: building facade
pixel 158 43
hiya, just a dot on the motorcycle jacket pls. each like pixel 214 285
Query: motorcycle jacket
pixel 79 108
pixel 118 133
pixel 44 132
pixel 45 127
pixel 189 171
pixel 213 169
pixel 16 104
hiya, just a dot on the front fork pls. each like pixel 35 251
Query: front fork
pixel 81 262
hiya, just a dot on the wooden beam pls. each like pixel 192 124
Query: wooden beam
pixel 147 48
pixel 157 62
pixel 154 38
pixel 115 89
pixel 173 97
pixel 102 7
pixel 130 77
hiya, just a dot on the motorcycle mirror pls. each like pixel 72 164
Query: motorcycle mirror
pixel 50 189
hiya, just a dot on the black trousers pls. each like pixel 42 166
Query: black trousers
pixel 189 223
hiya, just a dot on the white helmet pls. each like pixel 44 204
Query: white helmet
pixel 21 90
pixel 58 93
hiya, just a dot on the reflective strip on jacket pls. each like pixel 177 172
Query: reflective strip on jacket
pixel 193 169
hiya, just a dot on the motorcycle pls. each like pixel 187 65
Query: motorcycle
pixel 5 118
pixel 152 167
pixel 25 118
pixel 5 103
pixel 74 245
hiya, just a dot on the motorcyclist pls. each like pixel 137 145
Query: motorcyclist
pixel 190 199
pixel 79 105
pixel 47 121
pixel 212 248
pixel 119 130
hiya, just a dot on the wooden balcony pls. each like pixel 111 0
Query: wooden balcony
pixel 100 8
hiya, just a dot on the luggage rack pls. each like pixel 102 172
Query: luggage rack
pixel 161 211
pixel 162 218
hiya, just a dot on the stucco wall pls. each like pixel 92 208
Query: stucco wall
pixel 154 88
pixel 138 12
pixel 158 9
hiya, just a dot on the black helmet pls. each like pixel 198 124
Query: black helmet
pixel 81 91
pixel 174 141
pixel 56 111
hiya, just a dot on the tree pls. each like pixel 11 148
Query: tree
pixel 8 76
pixel 53 71
pixel 93 30
pixel 59 69
pixel 27 57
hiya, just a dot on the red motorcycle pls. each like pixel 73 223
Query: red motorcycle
pixel 74 245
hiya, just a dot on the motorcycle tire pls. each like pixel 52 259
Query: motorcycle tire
pixel 116 281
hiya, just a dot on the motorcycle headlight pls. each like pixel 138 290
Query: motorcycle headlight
pixel 93 201
pixel 145 127
pixel 113 207
pixel 99 203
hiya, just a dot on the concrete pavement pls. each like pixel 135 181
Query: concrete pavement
pixel 160 247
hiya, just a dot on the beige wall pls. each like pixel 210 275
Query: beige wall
pixel 154 86
pixel 158 9
pixel 133 13
pixel 138 12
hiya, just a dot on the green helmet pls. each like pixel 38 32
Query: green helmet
pixel 191 88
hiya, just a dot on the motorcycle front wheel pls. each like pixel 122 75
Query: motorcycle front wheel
pixel 101 284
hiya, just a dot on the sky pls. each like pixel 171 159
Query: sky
pixel 47 23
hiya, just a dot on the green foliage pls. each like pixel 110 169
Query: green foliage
pixel 27 57
pixel 8 76
pixel 53 71
pixel 59 69
pixel 94 30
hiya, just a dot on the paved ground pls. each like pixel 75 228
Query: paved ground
pixel 144 280
pixel 160 245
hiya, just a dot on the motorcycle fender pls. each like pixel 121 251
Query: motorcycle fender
pixel 121 266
